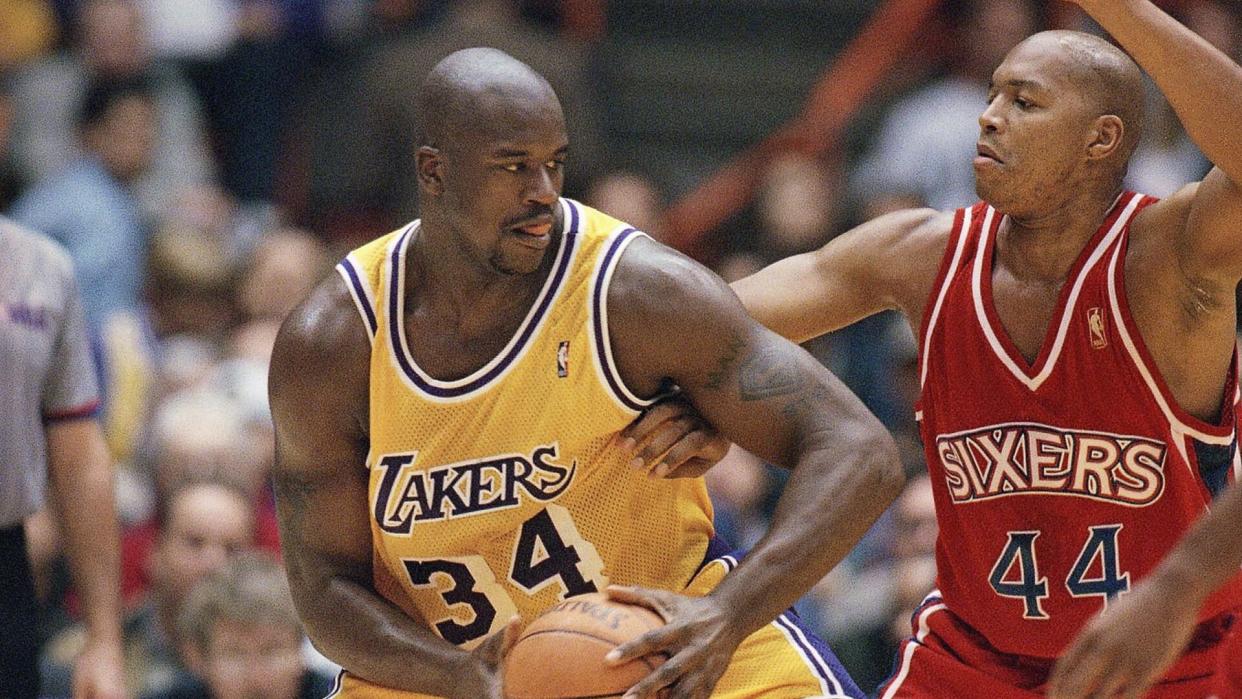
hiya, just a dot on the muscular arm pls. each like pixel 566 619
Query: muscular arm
pixel 772 398
pixel 318 388
pixel 1204 86
pixel 888 263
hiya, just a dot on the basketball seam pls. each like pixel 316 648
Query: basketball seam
pixel 594 638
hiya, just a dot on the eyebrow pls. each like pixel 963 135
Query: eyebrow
pixel 502 152
pixel 1019 84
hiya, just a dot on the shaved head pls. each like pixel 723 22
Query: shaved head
pixel 1109 78
pixel 465 91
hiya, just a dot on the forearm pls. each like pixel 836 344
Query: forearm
pixel 374 639
pixel 1202 83
pixel 80 478
pixel 1211 553
pixel 835 493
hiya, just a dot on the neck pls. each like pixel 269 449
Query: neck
pixel 444 275
pixel 1043 245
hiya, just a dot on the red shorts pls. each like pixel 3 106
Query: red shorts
pixel 948 658
pixel 1228 681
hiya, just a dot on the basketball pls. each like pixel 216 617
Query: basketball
pixel 560 655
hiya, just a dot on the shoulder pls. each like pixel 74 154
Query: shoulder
pixel 650 275
pixel 321 358
pixel 37 250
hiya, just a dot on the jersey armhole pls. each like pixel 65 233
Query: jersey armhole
pixel 950 261
pixel 360 292
pixel 601 343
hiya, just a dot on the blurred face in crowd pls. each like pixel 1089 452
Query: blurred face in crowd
pixel 253 660
pixel 206 525
pixel 113 42
pixel 124 138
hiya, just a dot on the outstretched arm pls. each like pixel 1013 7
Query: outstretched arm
pixel 1204 87
pixel 775 400
pixel 888 263
pixel 1130 645
pixel 318 387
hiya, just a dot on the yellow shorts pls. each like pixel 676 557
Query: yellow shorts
pixel 779 661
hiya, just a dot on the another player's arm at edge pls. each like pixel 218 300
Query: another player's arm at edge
pixel 889 263
pixel 671 320
pixel 318 388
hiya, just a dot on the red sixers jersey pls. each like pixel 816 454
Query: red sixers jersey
pixel 1063 482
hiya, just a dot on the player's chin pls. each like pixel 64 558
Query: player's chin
pixel 518 262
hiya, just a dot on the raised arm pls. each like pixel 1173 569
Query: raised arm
pixel 1204 87
pixel 885 264
pixel 319 390
pixel 772 398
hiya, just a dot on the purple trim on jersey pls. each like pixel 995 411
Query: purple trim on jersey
pixel 614 382
pixel 360 293
pixel 822 659
pixel 80 412
pixel 566 252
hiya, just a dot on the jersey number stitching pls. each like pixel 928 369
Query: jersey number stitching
pixel 548 550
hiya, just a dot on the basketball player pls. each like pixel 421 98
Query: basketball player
pixel 1077 355
pixel 445 410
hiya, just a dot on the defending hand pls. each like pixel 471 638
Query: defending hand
pixel 671 440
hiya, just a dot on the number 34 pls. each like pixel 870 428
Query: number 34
pixel 549 550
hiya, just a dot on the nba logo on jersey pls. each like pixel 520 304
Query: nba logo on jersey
pixel 562 359
pixel 1095 323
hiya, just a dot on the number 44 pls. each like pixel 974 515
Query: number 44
pixel 1031 588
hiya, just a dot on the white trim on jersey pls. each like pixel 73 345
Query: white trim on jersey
pixel 1034 382
pixel 499 366
pixel 962 234
pixel 601 345
pixel 1175 424
pixel 360 292
pixel 907 655
pixel 815 662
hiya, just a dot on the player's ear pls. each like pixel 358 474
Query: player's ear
pixel 430 165
pixel 1105 136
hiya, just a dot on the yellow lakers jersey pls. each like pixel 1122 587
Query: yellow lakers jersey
pixel 500 493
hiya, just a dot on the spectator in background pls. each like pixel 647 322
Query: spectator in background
pixel 111 47
pixel 923 149
pixel 385 147
pixel 201 524
pixel 241 637
pixel 11 181
pixel 27 30
pixel 91 207
pixel 1166 159
pixel 633 198
pixel 50 441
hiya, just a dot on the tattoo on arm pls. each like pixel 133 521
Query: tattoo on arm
pixel 294 492
pixel 716 377
pixel 769 372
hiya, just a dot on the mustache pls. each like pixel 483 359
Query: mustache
pixel 530 214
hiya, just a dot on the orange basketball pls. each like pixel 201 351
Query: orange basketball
pixel 560 655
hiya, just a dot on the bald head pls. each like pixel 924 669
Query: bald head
pixel 1109 78
pixel 478 89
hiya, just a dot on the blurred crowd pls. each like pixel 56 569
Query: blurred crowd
pixel 205 162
